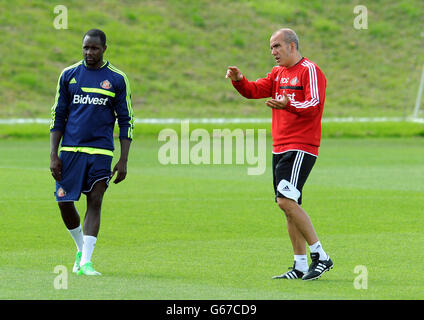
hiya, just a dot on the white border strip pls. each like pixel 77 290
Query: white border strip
pixel 222 120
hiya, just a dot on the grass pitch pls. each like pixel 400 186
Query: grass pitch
pixel 213 232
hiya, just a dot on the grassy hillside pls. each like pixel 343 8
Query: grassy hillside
pixel 176 52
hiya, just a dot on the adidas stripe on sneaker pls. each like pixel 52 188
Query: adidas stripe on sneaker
pixel 317 267
pixel 292 274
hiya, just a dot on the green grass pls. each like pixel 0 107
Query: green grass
pixel 213 232
pixel 329 129
pixel 175 53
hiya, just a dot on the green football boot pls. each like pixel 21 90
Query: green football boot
pixel 88 270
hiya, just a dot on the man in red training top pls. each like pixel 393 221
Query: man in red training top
pixel 297 91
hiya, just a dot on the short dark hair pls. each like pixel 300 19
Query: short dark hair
pixel 96 33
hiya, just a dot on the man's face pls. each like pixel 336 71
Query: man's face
pixel 92 50
pixel 281 51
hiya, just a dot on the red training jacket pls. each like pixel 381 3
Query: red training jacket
pixel 298 126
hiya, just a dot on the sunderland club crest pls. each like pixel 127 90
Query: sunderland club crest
pixel 105 84
pixel 294 81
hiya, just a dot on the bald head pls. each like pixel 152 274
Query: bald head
pixel 288 36
pixel 284 46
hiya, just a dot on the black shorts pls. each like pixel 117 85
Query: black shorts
pixel 290 171
pixel 80 171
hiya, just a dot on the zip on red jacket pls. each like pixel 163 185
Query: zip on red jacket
pixel 298 126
